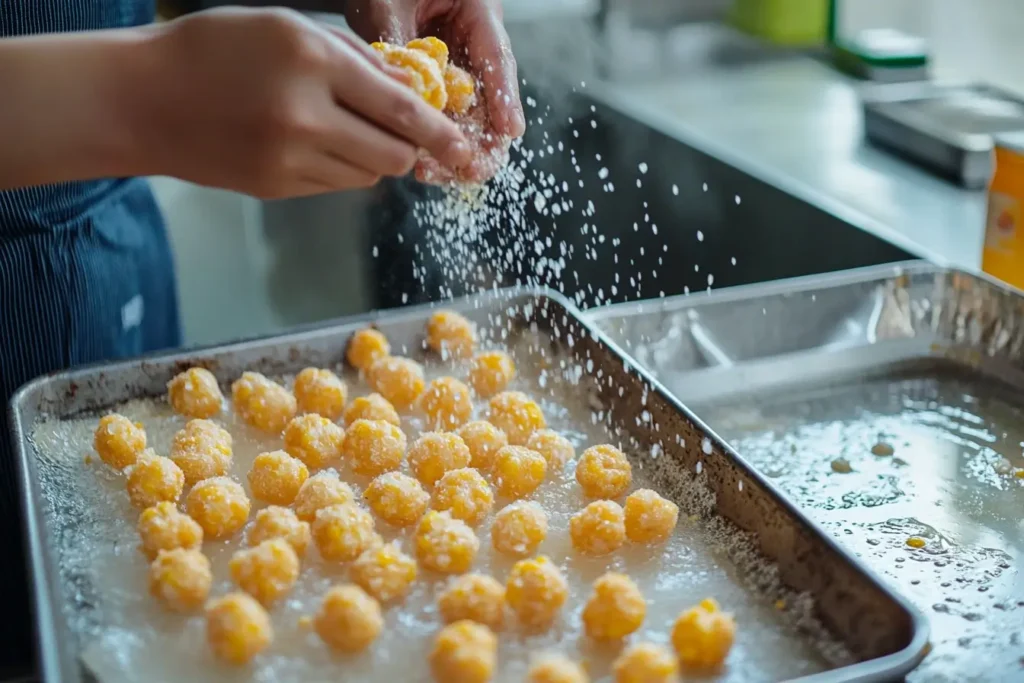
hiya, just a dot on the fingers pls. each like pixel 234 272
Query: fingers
pixel 320 174
pixel 490 55
pixel 394 107
pixel 361 144
pixel 368 53
pixel 328 174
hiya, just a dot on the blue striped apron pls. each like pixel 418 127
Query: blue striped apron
pixel 85 275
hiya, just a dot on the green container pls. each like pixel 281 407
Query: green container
pixel 785 22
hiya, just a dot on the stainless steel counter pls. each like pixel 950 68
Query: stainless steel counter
pixel 786 118
pixel 797 123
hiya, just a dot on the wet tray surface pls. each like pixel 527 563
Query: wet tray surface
pixel 90 586
pixel 889 404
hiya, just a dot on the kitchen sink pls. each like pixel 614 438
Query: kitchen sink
pixel 654 216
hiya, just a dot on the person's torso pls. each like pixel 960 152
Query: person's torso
pixel 49 207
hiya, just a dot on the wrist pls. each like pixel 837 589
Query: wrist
pixel 137 72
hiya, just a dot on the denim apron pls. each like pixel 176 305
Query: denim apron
pixel 86 275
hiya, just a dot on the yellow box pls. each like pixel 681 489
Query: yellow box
pixel 1003 254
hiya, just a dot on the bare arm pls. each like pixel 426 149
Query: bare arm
pixel 261 101
pixel 64 115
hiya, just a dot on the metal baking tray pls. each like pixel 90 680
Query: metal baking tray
pixel 883 635
pixel 945 127
pixel 929 362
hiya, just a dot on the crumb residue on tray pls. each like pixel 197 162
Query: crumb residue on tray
pixel 125 635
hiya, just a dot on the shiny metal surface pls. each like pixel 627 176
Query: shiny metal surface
pixel 886 636
pixel 796 123
pixel 808 378
pixel 946 128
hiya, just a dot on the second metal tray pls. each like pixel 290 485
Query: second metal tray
pixel 889 403
pixel 885 636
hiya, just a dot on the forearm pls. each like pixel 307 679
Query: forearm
pixel 66 113
pixel 175 8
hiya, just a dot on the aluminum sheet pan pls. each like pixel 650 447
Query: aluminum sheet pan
pixel 910 376
pixel 777 555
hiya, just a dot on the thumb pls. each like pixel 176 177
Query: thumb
pixel 392 22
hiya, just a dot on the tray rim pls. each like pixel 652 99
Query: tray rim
pixel 764 290
pixel 48 653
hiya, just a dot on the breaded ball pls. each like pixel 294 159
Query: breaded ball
pixel 237 628
pixel 399 380
pixel 219 505
pixel 615 609
pixel 397 498
pixel 348 619
pixel 461 87
pixel 164 527
pixel 444 544
pixel 484 440
pixel 464 494
pixel 464 652
pixel 267 571
pixel 516 414
pixel 320 491
pixel 476 597
pixel 202 449
pixel 556 669
pixel 702 636
pixel 518 471
pixel 435 453
pixel 343 532
pixel 598 529
pixel 195 393
pixel 425 77
pixel 320 391
pixel 314 440
pixel 276 477
pixel 446 403
pixel 118 441
pixel 280 522
pixel 434 47
pixel 365 347
pixel 603 472
pixel 555 448
pixel 536 592
pixel 518 529
pixel 385 572
pixel 649 517
pixel 263 403
pixel 374 447
pixel 491 373
pixel 180 579
pixel 372 407
pixel 451 335
pixel 154 478
pixel 646 663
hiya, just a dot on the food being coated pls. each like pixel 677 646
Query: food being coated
pixel 219 505
pixel 202 449
pixel 263 403
pixel 348 619
pixel 237 628
pixel 276 477
pixel 195 393
pixel 319 391
pixel 118 441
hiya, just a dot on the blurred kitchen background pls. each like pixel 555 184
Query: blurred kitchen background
pixel 752 138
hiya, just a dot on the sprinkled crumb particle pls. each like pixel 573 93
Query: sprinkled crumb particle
pixel 882 449
pixel 842 466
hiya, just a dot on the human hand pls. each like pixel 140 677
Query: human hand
pixel 477 40
pixel 272 104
